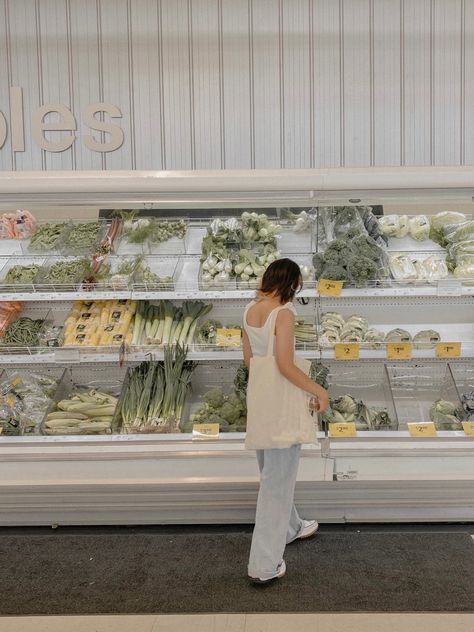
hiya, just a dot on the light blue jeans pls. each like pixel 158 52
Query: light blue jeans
pixel 276 521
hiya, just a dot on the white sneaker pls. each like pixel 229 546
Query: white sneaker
pixel 308 529
pixel 281 570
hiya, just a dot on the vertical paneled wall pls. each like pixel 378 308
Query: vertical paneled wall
pixel 211 84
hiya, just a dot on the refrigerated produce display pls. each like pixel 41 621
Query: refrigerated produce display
pixel 121 360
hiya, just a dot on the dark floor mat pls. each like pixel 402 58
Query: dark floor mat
pixel 139 573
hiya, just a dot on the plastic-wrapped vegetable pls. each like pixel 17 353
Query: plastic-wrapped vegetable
pixel 389 225
pixel 375 337
pixel 467 400
pixel 466 271
pixel 339 221
pixel 426 337
pixel 398 335
pixel 402 268
pixel 419 227
pixel 445 415
pixel 435 268
pixel 440 220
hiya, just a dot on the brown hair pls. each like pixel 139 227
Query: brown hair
pixel 282 278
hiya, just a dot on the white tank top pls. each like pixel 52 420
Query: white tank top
pixel 258 336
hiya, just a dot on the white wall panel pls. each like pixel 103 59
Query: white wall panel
pixel 467 85
pixel 147 94
pixel 205 83
pixel 385 84
pixel 237 92
pixel 327 129
pixel 296 92
pixel 246 83
pixel 118 79
pixel 267 83
pixel 54 73
pixel 25 55
pixel 86 73
pixel 446 81
pixel 179 127
pixel 356 77
pixel 417 82
pixel 6 162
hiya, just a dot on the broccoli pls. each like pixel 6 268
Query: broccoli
pixel 214 397
pixel 361 269
pixel 365 246
pixel 318 264
pixel 335 272
pixel 229 412
pixel 236 402
pixel 215 418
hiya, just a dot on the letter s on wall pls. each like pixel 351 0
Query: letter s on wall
pixel 116 132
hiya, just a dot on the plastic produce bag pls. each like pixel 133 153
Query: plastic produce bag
pixel 419 227
pixel 339 221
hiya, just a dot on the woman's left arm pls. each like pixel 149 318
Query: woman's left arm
pixel 246 348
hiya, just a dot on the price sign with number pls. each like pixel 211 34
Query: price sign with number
pixel 343 430
pixel 448 349
pixel 228 337
pixel 348 351
pixel 327 287
pixel 399 350
pixel 425 429
pixel 468 427
pixel 206 431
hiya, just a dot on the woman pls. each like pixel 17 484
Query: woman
pixel 277 522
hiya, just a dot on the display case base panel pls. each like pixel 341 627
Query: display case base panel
pixel 210 484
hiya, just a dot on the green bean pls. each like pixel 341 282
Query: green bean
pixel 23 332
pixel 82 237
pixel 63 272
pixel 21 274
pixel 46 237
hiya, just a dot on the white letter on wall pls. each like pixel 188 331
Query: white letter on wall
pixel 67 124
pixel 16 122
pixel 116 132
pixel 3 129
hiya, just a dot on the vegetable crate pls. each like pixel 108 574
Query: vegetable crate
pixel 83 238
pixel 463 374
pixel 61 274
pixel 47 238
pixel 360 392
pixel 155 274
pixel 26 332
pixel 82 380
pixel 20 274
pixel 425 393
pixel 207 377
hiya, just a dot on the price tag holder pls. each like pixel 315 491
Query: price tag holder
pixel 343 430
pixel 67 355
pixel 228 337
pixel 424 429
pixel 399 350
pixel 448 349
pixel 326 287
pixel 449 287
pixel 347 351
pixel 468 427
pixel 205 431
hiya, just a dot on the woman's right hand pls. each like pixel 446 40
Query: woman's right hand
pixel 320 401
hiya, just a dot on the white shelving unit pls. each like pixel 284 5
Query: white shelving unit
pixel 378 476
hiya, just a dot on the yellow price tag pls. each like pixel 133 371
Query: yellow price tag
pixel 326 287
pixel 347 351
pixel 468 427
pixel 205 431
pixel 17 381
pixel 228 337
pixel 343 430
pixel 424 429
pixel 448 349
pixel 399 350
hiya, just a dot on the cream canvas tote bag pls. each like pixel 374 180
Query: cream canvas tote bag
pixel 278 414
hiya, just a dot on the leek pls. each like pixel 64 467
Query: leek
pixel 192 310
pixel 169 311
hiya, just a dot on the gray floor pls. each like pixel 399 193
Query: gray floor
pixel 203 570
